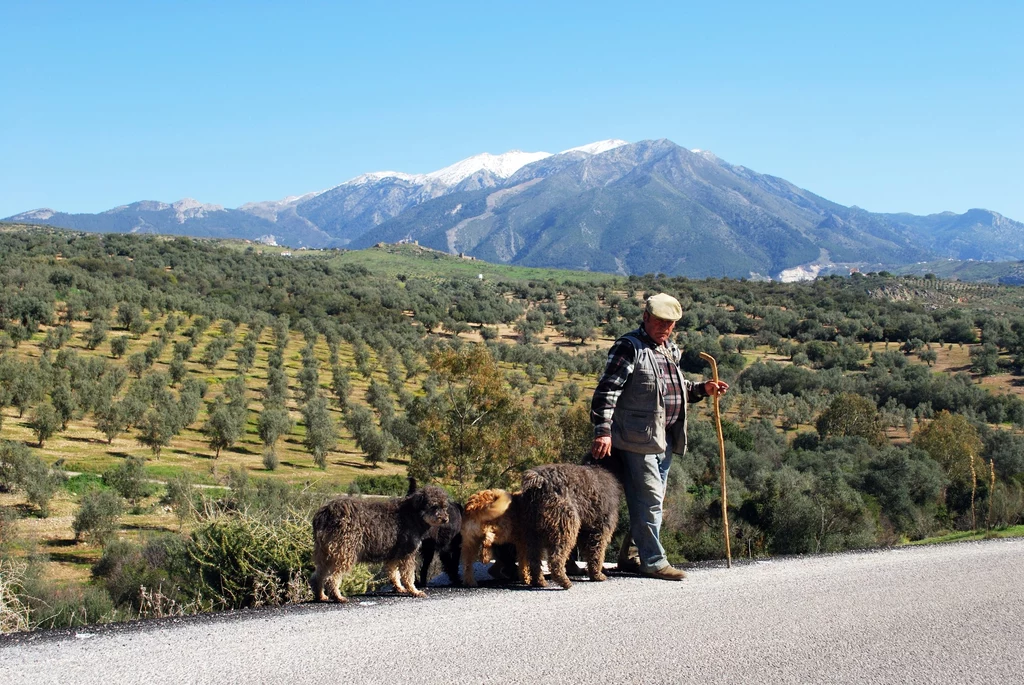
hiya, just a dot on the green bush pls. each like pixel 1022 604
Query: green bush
pixel 97 515
pixel 390 486
pixel 83 482
pixel 244 561
pixel 270 460
pixel 13 455
pixel 40 483
pixel 128 571
pixel 182 496
pixel 129 480
pixel 21 470
pixel 53 606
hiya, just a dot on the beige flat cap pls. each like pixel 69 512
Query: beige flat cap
pixel 664 307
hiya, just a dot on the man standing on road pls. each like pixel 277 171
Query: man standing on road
pixel 639 417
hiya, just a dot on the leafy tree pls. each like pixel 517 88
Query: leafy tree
pixel 468 428
pixel 183 350
pixel 581 328
pixel 904 482
pixel 96 334
pixel 379 397
pixel 12 456
pixel 321 431
pixel 221 428
pixel 157 429
pixel 851 415
pixel 274 421
pixel 781 506
pixel 111 421
pixel 119 346
pixel 138 327
pixel 246 356
pixel 952 441
pixel 45 422
pixel 97 515
pixel 340 385
pixel 985 359
pixel 363 359
pixel 64 401
pixel 138 363
pixel 40 483
pixel 369 438
pixel 276 391
pixel 957 331
pixel 26 387
pixel 129 480
pixel 177 370
pixel 128 313
pixel 21 470
pixel 309 382
pixel 214 352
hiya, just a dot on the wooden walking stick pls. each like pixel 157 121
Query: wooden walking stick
pixel 721 457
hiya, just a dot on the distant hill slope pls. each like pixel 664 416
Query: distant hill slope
pixel 652 207
pixel 611 207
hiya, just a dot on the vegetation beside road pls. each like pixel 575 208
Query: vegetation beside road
pixel 211 396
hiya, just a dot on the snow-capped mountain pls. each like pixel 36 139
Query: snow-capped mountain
pixel 348 210
pixel 598 147
pixel 502 166
pixel 610 205
pixel 331 217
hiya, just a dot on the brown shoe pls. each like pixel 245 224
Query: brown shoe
pixel 630 565
pixel 665 573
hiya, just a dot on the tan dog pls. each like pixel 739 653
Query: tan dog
pixel 560 506
pixel 486 521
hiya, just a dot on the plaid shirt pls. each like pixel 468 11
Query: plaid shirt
pixel 621 360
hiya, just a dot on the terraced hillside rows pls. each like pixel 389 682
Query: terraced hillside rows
pixel 171 410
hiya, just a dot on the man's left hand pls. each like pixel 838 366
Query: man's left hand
pixel 716 388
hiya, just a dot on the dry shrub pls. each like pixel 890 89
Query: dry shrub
pixel 246 561
pixel 52 606
pixel 153 603
pixel 14 614
pixel 1007 504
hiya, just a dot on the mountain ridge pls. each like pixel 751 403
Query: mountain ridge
pixel 650 206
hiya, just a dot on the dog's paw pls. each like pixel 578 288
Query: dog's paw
pixel 599 577
pixel 564 582
pixel 418 593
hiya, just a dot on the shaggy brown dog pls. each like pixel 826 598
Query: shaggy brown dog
pixel 348 530
pixel 559 506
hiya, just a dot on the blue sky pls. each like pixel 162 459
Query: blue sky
pixel 909 106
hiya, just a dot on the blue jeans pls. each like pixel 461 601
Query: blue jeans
pixel 644 478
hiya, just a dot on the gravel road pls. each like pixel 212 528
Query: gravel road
pixel 938 614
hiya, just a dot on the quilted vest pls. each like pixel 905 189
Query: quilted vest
pixel 638 423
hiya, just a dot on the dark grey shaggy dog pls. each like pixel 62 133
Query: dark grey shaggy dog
pixel 445 541
pixel 563 505
pixel 348 530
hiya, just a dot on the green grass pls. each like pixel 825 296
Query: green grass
pixel 82 482
pixel 420 262
pixel 961 536
pixel 167 472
